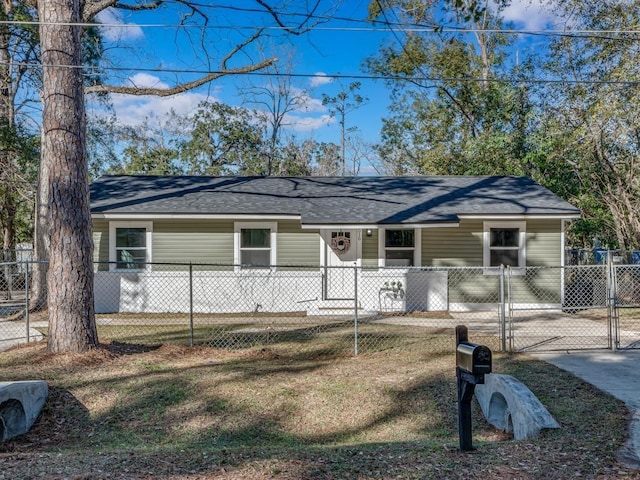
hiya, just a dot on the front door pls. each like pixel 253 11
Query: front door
pixel 341 256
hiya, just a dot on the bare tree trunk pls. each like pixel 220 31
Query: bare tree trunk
pixel 8 225
pixel 625 218
pixel 70 279
pixel 6 122
pixel 41 240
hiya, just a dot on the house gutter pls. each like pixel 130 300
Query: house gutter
pixel 193 216
pixel 374 226
pixel 538 216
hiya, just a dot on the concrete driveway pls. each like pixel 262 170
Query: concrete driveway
pixel 617 373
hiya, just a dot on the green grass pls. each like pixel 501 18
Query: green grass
pixel 295 411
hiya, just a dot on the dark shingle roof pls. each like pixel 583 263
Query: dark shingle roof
pixel 329 200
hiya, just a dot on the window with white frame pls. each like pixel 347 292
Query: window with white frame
pixel 504 244
pixel 255 245
pixel 130 245
pixel 399 247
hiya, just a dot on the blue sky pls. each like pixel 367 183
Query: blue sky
pixel 150 44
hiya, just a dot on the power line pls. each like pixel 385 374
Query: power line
pixel 378 27
pixel 341 76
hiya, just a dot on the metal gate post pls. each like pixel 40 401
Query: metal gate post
pixel 612 317
pixel 355 308
pixel 503 325
pixel 26 298
pixel 190 304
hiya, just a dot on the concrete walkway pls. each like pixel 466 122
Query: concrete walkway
pixel 15 333
pixel 617 373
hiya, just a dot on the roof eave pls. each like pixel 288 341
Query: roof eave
pixel 191 216
pixel 375 226
pixel 521 216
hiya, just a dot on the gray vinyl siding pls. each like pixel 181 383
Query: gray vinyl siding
pixel 211 242
pixel 462 247
pixel 544 243
pixel 192 241
pixel 297 246
pixel 453 246
pixel 370 249
pixel 101 244
pixel 473 286
pixel 544 249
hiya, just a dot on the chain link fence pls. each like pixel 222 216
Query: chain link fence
pixel 338 309
pixel 625 311
pixel 16 286
pixel 12 272
pixel 350 310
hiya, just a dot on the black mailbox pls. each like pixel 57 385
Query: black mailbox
pixel 473 362
pixel 472 358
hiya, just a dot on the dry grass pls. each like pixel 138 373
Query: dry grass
pixel 131 412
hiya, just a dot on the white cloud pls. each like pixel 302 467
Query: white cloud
pixel 315 105
pixel 308 104
pixel 367 170
pixel 144 80
pixel 309 124
pixel 530 14
pixel 133 110
pixel 319 79
pixel 114 27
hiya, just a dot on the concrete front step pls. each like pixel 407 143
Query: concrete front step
pixel 337 307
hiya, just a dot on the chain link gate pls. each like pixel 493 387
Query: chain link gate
pixel 558 308
pixel 625 306
pixel 576 307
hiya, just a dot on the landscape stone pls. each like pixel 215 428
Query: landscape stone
pixel 509 405
pixel 20 405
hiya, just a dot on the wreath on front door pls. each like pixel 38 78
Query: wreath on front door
pixel 340 244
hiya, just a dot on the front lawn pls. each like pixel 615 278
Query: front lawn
pixel 294 411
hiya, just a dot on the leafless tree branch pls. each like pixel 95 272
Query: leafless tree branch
pixel 300 28
pixel 183 87
pixel 92 8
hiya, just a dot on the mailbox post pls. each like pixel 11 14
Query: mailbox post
pixel 473 362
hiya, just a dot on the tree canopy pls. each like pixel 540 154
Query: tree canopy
pixel 461 105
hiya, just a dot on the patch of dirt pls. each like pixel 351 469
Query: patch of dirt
pixel 263 354
pixel 120 348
